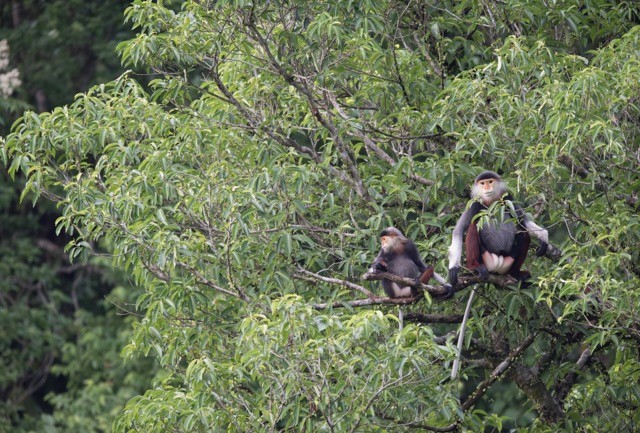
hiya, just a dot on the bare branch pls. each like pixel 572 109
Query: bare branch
pixel 563 388
pixel 436 292
pixel 464 281
pixel 548 407
pixel 345 283
pixel 376 300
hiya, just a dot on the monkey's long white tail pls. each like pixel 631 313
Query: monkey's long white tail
pixel 463 325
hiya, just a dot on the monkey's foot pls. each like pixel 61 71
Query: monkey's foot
pixel 482 272
pixel 521 275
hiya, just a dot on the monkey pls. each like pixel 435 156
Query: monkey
pixel 398 255
pixel 497 246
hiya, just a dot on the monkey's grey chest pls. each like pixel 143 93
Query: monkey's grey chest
pixel 498 236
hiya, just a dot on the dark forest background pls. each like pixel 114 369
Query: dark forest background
pixel 62 332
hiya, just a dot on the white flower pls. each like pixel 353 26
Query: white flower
pixel 9 80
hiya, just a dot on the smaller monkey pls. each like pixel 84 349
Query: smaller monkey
pixel 398 255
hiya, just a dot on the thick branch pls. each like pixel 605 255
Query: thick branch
pixel 464 281
pixel 435 291
pixel 548 407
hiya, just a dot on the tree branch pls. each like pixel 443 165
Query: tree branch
pixel 302 87
pixel 464 281
pixel 563 388
pixel 345 283
pixel 548 407
pixel 374 147
pixel 498 372
pixel 376 300
pixel 630 199
pixel 432 318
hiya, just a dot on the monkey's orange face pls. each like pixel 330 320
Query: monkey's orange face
pixel 387 242
pixel 487 185
pixel 486 189
pixel 384 241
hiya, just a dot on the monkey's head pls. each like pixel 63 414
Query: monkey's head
pixel 488 187
pixel 390 237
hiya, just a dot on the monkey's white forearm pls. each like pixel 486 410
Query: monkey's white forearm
pixel 455 251
pixel 535 230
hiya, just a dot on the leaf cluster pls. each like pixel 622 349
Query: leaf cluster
pixel 252 176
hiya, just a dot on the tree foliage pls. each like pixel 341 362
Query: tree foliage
pixel 62 331
pixel 61 338
pixel 249 181
pixel 60 48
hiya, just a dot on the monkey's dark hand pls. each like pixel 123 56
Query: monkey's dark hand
pixel 542 249
pixel 482 272
pixel 453 275
pixel 379 266
pixel 450 292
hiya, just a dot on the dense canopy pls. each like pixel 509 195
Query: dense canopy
pixel 244 189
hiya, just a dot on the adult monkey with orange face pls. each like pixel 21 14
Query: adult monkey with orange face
pixel 497 246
